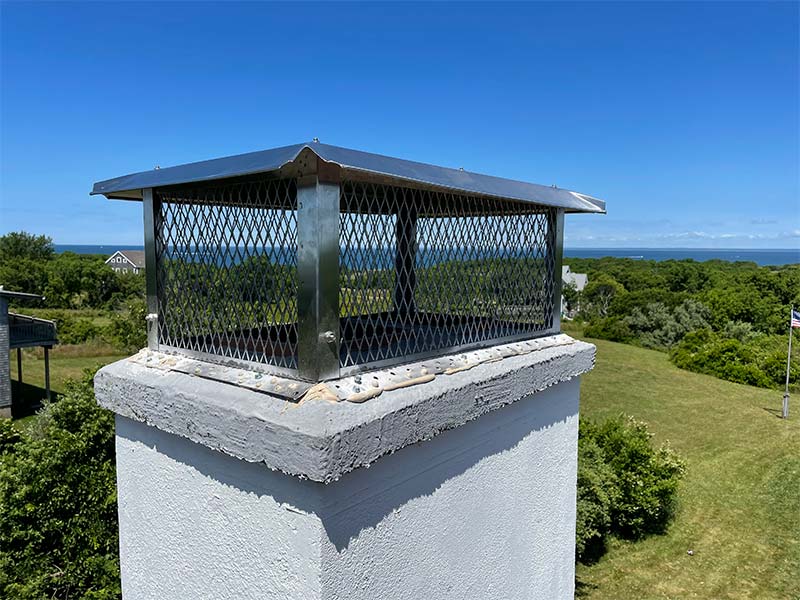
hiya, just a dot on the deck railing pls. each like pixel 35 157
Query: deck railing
pixel 30 331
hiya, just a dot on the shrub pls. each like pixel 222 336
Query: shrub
pixel 646 478
pixel 9 436
pixel 614 329
pixel 76 331
pixel 58 518
pixel 128 331
pixel 626 303
pixel 774 368
pixel 703 351
pixel 597 492
pixel 72 329
pixel 658 326
pixel 739 330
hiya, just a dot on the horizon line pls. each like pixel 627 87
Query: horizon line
pixel 565 247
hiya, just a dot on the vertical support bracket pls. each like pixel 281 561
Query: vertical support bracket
pixel 152 216
pixel 557 239
pixel 47 372
pixel 405 259
pixel 19 371
pixel 318 278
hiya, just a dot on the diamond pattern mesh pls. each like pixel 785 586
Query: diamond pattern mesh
pixel 423 271
pixel 420 272
pixel 226 260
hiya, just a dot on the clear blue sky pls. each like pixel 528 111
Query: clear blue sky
pixel 684 117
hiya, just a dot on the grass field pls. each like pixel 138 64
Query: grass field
pixel 740 501
pixel 64 365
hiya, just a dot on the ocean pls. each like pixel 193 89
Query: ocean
pixel 761 257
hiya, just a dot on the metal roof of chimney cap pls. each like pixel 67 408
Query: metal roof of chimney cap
pixel 266 161
pixel 315 263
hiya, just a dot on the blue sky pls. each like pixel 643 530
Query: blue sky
pixel 684 117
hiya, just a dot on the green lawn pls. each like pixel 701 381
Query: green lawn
pixel 99 318
pixel 740 501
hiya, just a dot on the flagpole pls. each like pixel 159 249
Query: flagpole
pixel 785 411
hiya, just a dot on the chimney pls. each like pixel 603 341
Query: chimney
pixel 355 383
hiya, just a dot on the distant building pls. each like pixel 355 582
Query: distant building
pixel 579 280
pixel 127 261
pixel 18 332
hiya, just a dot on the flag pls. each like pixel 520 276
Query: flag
pixel 795 318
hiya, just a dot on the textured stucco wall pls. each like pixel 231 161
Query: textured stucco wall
pixel 484 511
pixel 197 524
pixel 322 440
pixel 5 362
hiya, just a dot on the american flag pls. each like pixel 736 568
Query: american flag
pixel 795 318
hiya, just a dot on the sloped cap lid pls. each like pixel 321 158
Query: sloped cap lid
pixel 130 186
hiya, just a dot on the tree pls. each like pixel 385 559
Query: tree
pixel 600 291
pixel 572 297
pixel 76 281
pixel 20 244
pixel 685 276
pixel 656 326
pixel 23 275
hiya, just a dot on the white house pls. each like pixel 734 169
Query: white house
pixel 129 261
pixel 579 280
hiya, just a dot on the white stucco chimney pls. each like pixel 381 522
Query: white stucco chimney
pixel 355 384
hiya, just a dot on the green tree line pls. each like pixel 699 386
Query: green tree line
pixel 28 263
pixel 724 319
pixel 77 288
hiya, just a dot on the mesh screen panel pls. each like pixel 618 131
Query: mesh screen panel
pixel 226 259
pixel 422 271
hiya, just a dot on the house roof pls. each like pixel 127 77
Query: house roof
pixel 130 187
pixel 19 295
pixel 579 279
pixel 134 256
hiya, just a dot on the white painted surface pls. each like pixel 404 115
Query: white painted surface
pixel 485 511
pixel 195 523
